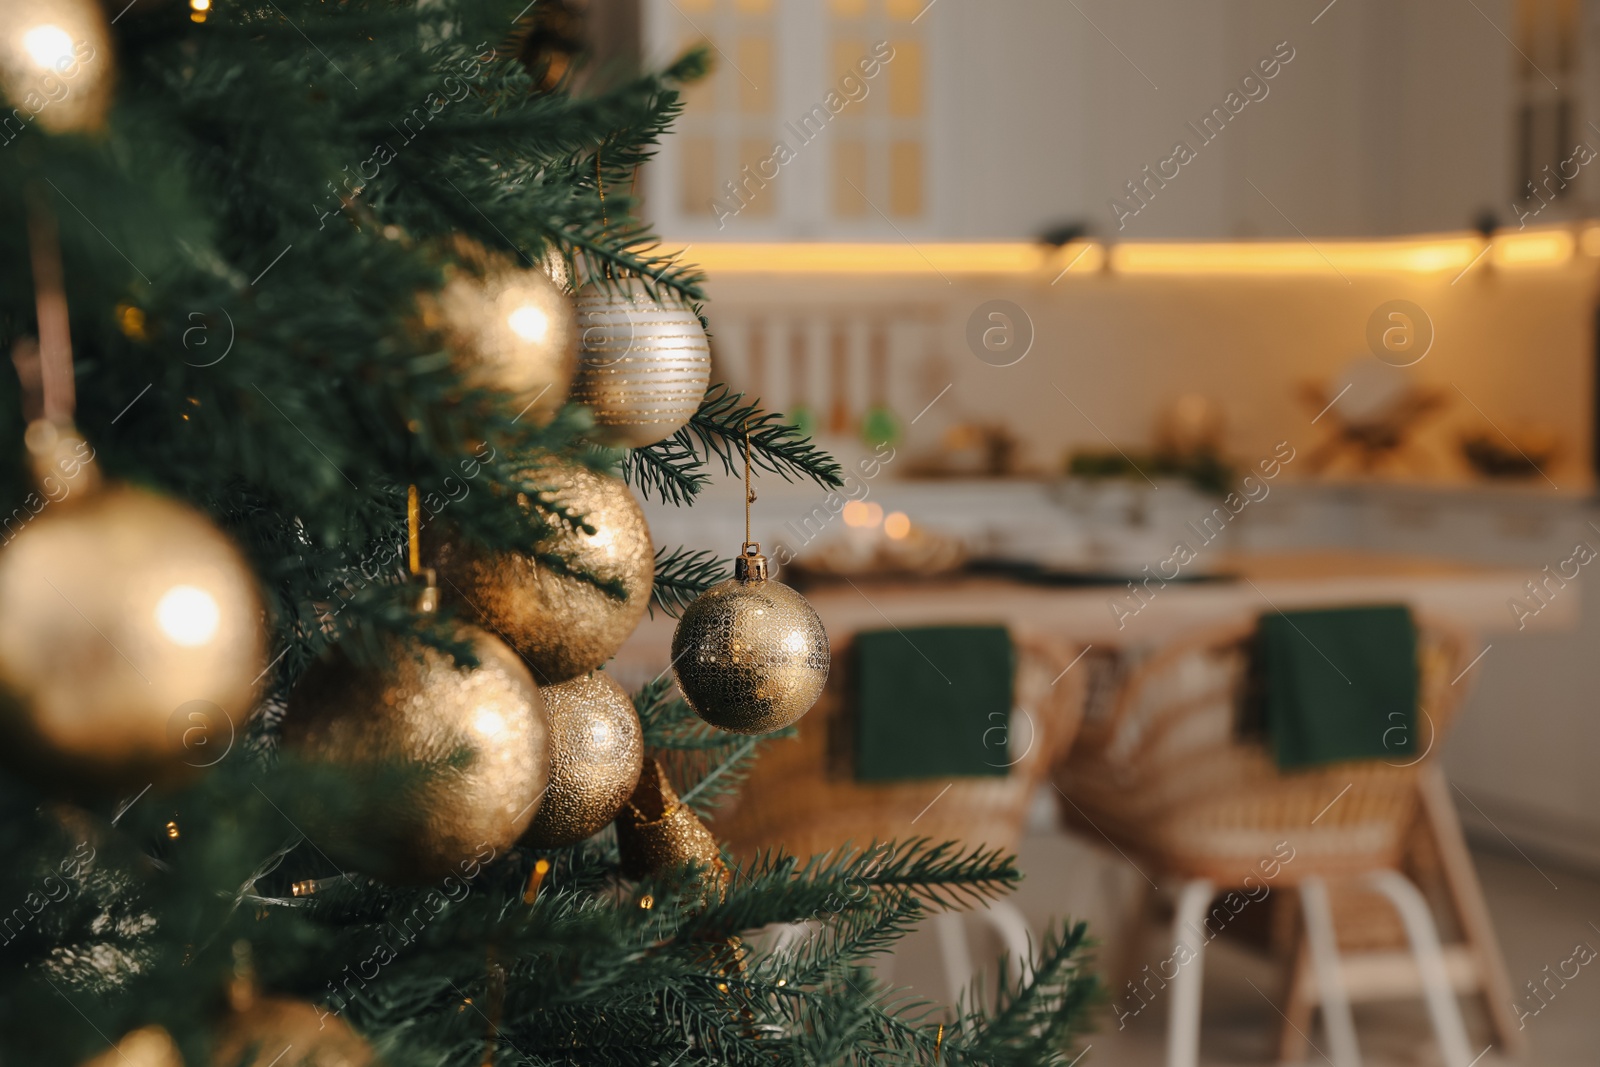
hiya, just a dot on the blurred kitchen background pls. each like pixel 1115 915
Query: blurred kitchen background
pixel 1309 287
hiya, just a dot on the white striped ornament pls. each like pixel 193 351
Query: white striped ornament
pixel 643 364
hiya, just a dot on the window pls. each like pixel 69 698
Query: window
pixel 814 121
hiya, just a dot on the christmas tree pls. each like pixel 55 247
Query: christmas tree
pixel 288 290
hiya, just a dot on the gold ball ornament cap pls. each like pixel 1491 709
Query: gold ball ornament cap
pixel 644 364
pixel 510 329
pixel 596 753
pixel 563 626
pixel 131 630
pixel 475 737
pixel 56 64
pixel 750 654
pixel 657 833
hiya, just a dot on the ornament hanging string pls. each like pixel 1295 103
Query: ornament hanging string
pixel 600 186
pixel 749 497
pixel 50 303
pixel 414 530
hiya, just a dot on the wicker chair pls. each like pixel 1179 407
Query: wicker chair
pixel 806 799
pixel 1166 778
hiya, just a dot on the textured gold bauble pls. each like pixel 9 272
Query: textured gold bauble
pixel 510 329
pixel 657 832
pixel 750 654
pixel 56 66
pixel 126 619
pixel 279 1032
pixel 478 731
pixel 596 750
pixel 563 626
pixel 645 363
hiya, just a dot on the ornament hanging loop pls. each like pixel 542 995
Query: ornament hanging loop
pixel 428 599
pixel 751 565
pixel 749 496
pixel 50 302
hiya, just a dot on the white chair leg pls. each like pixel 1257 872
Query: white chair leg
pixel 955 952
pixel 1183 1022
pixel 1008 921
pixel 1441 998
pixel 1323 942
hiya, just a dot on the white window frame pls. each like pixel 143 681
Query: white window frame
pixel 803 190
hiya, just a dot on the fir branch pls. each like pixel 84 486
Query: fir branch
pixel 849 937
pixel 724 778
pixel 684 575
pixel 718 429
pixel 668 470
pixel 705 763
pixel 1035 1017
pixel 944 875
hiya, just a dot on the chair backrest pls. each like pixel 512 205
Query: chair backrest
pixel 803 796
pixel 1185 697
pixel 1166 773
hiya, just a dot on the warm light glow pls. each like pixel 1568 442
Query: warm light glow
pixel 1080 257
pixel 897 258
pixel 855 513
pixel 200 5
pixel 1297 257
pixel 1447 253
pixel 48 46
pixel 795 642
pixel 529 323
pixel 896 525
pixel 489 723
pixel 1532 248
pixel 874 514
pixel 188 615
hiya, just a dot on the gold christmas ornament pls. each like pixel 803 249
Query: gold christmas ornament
pixel 750 653
pixel 563 626
pixel 149 1046
pixel 56 66
pixel 596 752
pixel 644 363
pixel 475 735
pixel 657 832
pixel 510 329
pixel 477 732
pixel 131 638
pixel 280 1032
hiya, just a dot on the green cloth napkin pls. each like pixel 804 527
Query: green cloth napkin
pixel 1339 684
pixel 933 702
